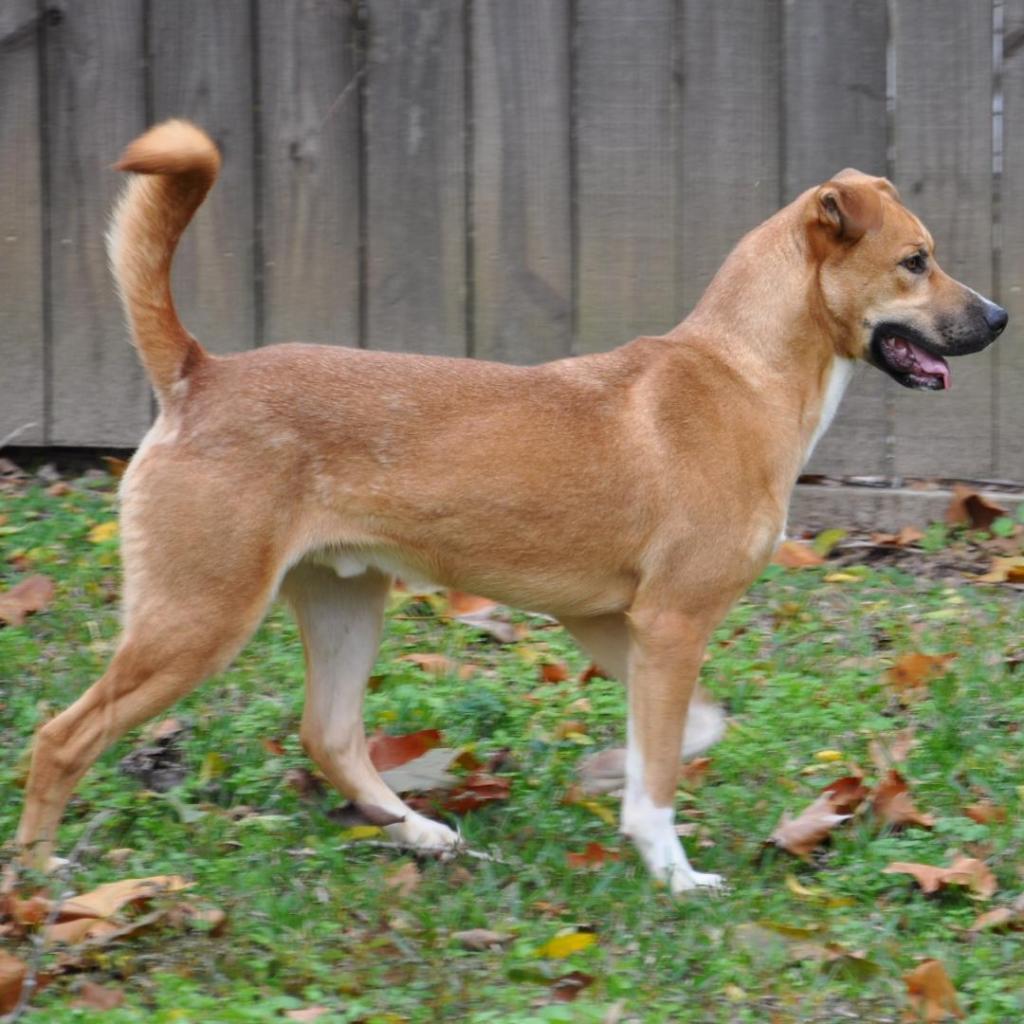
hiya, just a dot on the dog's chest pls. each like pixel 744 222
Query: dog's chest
pixel 839 375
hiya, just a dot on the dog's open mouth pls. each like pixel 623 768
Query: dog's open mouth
pixel 902 354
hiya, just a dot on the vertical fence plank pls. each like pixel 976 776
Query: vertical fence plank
pixel 95 86
pixel 835 117
pixel 943 139
pixel 201 57
pixel 626 110
pixel 22 360
pixel 522 249
pixel 309 110
pixel 730 132
pixel 1009 352
pixel 416 176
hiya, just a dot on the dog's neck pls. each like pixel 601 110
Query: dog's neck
pixel 780 337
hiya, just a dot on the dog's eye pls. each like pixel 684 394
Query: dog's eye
pixel 916 264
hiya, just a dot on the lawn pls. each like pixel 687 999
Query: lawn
pixel 316 912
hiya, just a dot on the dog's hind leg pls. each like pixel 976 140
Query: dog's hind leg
pixel 175 636
pixel 605 638
pixel 340 620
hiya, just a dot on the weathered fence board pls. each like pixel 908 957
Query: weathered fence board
pixel 513 181
pixel 22 341
pixel 835 106
pixel 310 79
pixel 1009 353
pixel 522 223
pixel 201 67
pixel 730 135
pixel 95 92
pixel 627 109
pixel 415 176
pixel 943 168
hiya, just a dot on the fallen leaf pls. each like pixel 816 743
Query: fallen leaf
pixel 103 532
pixel 80 929
pixel 916 669
pixel 425 773
pixel 693 772
pixel 970 508
pixel 593 671
pixel 1004 570
pixel 307 1013
pixel 562 946
pixel 393 751
pixel 108 899
pixel 494 623
pixel 566 988
pixel 593 856
pixel 554 672
pixel 304 782
pixel 893 749
pixel 793 554
pixel 834 805
pixel 932 996
pixel 891 802
pixel 115 467
pixel 1000 917
pixel 30 595
pixel 12 975
pixel 272 746
pixel 984 812
pixel 460 603
pixel 435 664
pixel 59 489
pixel 908 535
pixel 474 791
pixel 969 872
pixel 825 541
pixel 481 938
pixel 96 997
pixel 405 879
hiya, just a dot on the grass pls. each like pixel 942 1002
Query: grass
pixel 800 663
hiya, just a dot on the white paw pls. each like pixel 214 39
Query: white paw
pixel 689 880
pixel 423 834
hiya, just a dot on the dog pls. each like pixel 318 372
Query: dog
pixel 632 494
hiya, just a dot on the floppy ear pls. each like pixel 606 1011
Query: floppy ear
pixel 848 209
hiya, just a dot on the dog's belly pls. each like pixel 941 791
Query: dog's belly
pixel 554 589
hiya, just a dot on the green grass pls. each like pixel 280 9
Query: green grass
pixel 800 663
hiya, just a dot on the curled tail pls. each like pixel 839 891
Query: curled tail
pixel 175 164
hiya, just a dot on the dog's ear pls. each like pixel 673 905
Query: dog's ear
pixel 849 206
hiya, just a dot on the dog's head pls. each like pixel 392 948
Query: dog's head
pixel 883 289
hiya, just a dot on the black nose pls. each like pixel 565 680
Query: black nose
pixel 996 318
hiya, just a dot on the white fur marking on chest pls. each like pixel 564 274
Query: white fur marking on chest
pixel 839 375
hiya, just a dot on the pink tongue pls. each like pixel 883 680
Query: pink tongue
pixel 934 365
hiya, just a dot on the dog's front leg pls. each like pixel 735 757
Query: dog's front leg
pixel 666 650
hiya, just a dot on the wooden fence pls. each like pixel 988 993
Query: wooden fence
pixel 509 179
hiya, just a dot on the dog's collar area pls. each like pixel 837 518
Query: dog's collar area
pixel 903 354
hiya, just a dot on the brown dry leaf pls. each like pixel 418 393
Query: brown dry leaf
pixel 891 750
pixel 794 554
pixel 96 997
pixel 79 930
pixel 932 996
pixel 304 782
pixel 593 856
pixel 115 467
pixel 593 671
pixel 554 672
pixel 891 802
pixel 970 872
pixel 1000 917
pixel 32 911
pixel 59 489
pixel 916 669
pixel 481 938
pixel 1004 570
pixel 435 664
pixel 388 752
pixel 307 1013
pixel 495 623
pixel 907 535
pixel 475 790
pixel 12 974
pixel 693 772
pixel 405 879
pixel 107 900
pixel 566 988
pixel 970 508
pixel 984 812
pixel 460 603
pixel 32 594
pixel 272 746
pixel 834 805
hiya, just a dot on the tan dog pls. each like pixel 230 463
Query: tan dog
pixel 633 494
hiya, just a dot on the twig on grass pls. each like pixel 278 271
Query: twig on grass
pixel 61 876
